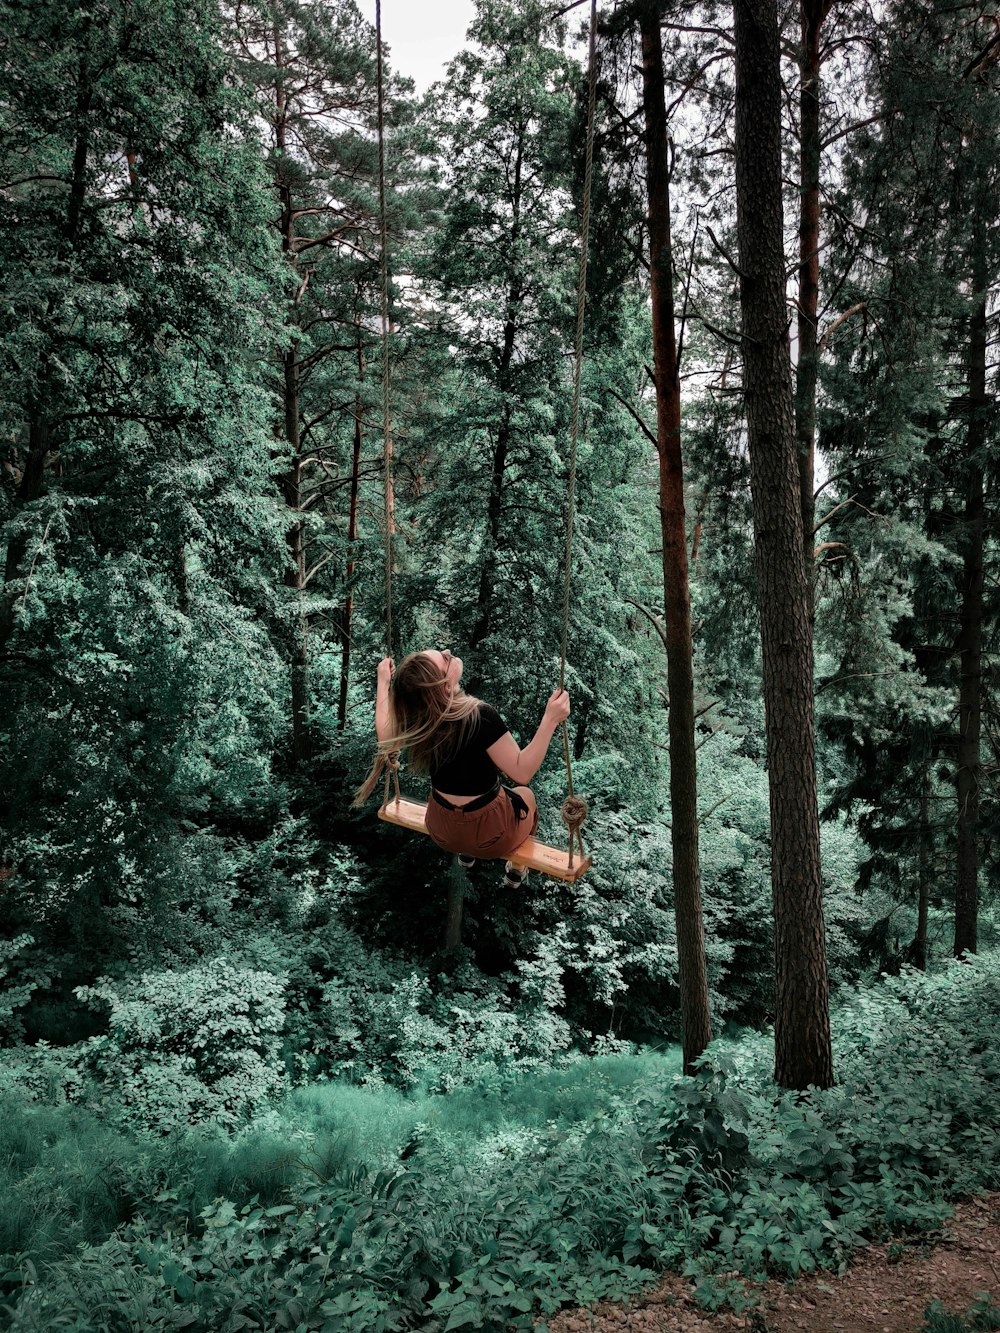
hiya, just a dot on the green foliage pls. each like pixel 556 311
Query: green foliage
pixel 49 1075
pixel 981 1314
pixel 374 1018
pixel 898 429
pixel 169 863
pixel 69 1177
pixel 139 543
pixel 20 976
pixel 188 1047
pixel 465 1223
pixel 72 1177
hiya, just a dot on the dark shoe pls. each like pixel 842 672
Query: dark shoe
pixel 514 876
pixel 466 862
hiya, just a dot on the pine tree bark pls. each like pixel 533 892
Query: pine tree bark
pixel 696 1020
pixel 803 1053
pixel 483 624
pixel 969 768
pixel 295 576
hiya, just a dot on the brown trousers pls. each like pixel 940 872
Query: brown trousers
pixel 491 830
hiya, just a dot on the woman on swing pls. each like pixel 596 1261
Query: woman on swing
pixel 464 745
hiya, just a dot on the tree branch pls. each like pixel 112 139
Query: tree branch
pixel 651 617
pixel 826 518
pixel 317 567
pixel 25 180
pixel 712 808
pixel 687 296
pixel 849 129
pixel 734 340
pixel 860 675
pixel 854 310
pixel 636 418
pixel 724 253
pixel 848 472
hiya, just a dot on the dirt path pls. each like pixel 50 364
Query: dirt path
pixel 886 1290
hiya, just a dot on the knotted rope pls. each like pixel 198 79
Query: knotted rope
pixel 390 763
pixel 572 814
pixel 574 809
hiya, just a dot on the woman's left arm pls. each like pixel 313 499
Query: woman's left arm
pixel 522 765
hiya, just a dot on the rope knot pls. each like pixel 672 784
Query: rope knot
pixel 573 813
pixel 390 767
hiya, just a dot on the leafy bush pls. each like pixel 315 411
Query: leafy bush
pixel 188 1047
pixel 21 974
pixel 68 1177
pixel 620 932
pixel 374 1018
pixel 49 1075
pixel 714 1174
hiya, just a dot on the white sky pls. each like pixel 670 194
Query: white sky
pixel 422 35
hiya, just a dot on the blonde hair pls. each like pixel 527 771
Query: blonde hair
pixel 429 719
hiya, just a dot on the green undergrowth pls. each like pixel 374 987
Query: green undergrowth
pixel 68 1176
pixel 496 1206
pixel 981 1316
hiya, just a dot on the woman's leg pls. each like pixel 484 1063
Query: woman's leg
pixel 530 822
pixel 515 876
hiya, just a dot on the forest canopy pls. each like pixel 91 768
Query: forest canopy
pixel 217 333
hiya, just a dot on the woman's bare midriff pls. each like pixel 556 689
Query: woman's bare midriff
pixel 457 800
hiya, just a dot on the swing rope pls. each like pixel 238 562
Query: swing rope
pixel 391 761
pixel 574 808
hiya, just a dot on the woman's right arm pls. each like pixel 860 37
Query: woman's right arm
pixel 522 765
pixel 383 712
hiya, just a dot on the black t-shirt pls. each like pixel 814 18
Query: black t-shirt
pixel 471 771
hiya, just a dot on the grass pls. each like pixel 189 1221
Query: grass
pixel 514 1196
pixel 66 1178
pixel 378 1123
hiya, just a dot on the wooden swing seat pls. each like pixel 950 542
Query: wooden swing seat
pixel 531 855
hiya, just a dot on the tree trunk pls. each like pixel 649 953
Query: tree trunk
pixel 487 574
pixel 695 1017
pixel 453 920
pixel 812 14
pixel 582 726
pixel 803 1052
pixel 29 488
pixel 295 577
pixel 918 947
pixel 181 574
pixel 347 615
pixel 969 768
pixel 292 482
